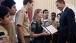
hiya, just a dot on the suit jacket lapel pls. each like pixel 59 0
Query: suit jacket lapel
pixel 63 15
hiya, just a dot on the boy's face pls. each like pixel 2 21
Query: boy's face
pixel 13 10
pixel 46 14
pixel 6 19
pixel 53 16
pixel 30 5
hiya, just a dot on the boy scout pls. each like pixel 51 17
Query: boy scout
pixel 10 4
pixel 22 21
pixel 46 22
pixel 4 20
pixel 55 24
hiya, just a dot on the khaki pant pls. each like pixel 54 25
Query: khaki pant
pixel 27 39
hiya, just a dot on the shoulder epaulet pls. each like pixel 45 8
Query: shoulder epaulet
pixel 21 11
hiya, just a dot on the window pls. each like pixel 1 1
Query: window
pixel 19 4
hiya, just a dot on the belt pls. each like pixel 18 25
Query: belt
pixel 26 36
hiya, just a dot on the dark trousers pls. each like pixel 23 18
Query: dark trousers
pixel 55 38
pixel 75 31
pixel 27 39
pixel 62 39
pixel 48 38
pixel 38 41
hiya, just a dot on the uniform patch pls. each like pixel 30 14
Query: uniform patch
pixel 33 26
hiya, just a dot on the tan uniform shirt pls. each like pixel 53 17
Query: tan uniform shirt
pixel 23 20
pixel 11 28
pixel 5 37
pixel 48 22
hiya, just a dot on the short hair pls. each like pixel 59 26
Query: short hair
pixel 53 13
pixel 61 1
pixel 8 3
pixel 26 1
pixel 3 11
pixel 44 10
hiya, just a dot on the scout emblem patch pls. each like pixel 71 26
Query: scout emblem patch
pixel 33 26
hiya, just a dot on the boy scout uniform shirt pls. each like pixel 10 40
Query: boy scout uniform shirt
pixel 23 20
pixel 49 22
pixel 4 38
pixel 11 29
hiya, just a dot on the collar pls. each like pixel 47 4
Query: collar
pixel 24 9
pixel 11 17
pixel 52 20
pixel 64 8
pixel 2 27
pixel 45 19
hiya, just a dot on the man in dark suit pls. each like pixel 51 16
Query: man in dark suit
pixel 67 23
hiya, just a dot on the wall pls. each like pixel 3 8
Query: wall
pixel 44 4
pixel 49 4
